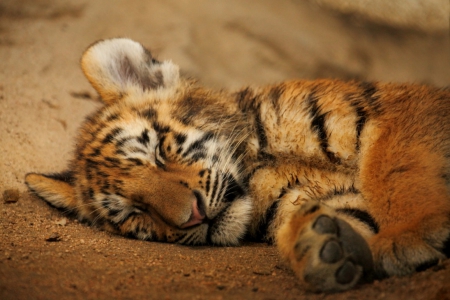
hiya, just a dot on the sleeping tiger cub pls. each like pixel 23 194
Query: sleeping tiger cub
pixel 351 180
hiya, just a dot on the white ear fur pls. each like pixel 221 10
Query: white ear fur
pixel 115 67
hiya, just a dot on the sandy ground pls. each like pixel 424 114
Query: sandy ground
pixel 44 97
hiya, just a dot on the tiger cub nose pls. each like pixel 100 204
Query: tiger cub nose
pixel 196 217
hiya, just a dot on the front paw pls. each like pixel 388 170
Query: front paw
pixel 325 252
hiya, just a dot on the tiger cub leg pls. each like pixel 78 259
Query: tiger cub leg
pixel 414 231
pixel 323 249
pixel 408 194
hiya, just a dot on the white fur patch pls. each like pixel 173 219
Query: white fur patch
pixel 235 223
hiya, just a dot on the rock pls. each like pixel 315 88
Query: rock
pixel 425 15
pixel 61 222
pixel 11 196
pixel 54 237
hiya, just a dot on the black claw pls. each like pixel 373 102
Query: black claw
pixel 325 224
pixel 331 252
pixel 346 273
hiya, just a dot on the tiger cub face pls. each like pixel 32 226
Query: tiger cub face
pixel 160 160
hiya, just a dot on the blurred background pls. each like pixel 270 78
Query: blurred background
pixel 229 43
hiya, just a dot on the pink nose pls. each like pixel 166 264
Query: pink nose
pixel 196 216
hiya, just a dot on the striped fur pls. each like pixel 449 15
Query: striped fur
pixel 349 179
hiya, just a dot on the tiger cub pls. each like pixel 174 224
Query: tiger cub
pixel 349 179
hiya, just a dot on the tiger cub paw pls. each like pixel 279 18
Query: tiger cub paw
pixel 325 252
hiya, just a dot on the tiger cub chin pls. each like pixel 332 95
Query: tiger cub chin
pixel 349 179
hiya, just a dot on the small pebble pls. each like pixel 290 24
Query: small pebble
pixel 54 237
pixel 61 222
pixel 11 196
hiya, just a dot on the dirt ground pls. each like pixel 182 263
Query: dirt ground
pixel 44 97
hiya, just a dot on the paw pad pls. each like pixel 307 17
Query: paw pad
pixel 331 252
pixel 324 225
pixel 328 254
pixel 346 273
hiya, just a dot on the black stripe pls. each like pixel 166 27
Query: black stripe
pixel 199 144
pixel 208 182
pixel 144 139
pixel 274 96
pixel 249 106
pixel 110 136
pixel 196 157
pixel 120 152
pixel 105 187
pixel 153 235
pixel 91 164
pixel 263 226
pixel 135 161
pixel 427 264
pixel 149 114
pixel 161 128
pixel 112 212
pixel 190 108
pixel 105 202
pixel 241 97
pixel 318 125
pixel 361 215
pixel 122 141
pixel 446 247
pixel 162 152
pixel 343 191
pixel 260 130
pixel 95 152
pixel 180 138
pixel 67 177
pixel 234 190
pixel 132 214
pixel 189 239
pixel 215 189
pixel 136 150
pixel 369 90
pixel 102 174
pixel 248 177
pixel 356 102
pixel 179 238
pixel 112 162
pixel 112 117
pixel 360 122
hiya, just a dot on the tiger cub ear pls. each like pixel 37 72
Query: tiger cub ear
pixel 55 189
pixel 119 66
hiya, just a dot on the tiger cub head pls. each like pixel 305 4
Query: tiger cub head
pixel 161 160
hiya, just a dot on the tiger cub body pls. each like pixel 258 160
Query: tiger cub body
pixel 350 180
